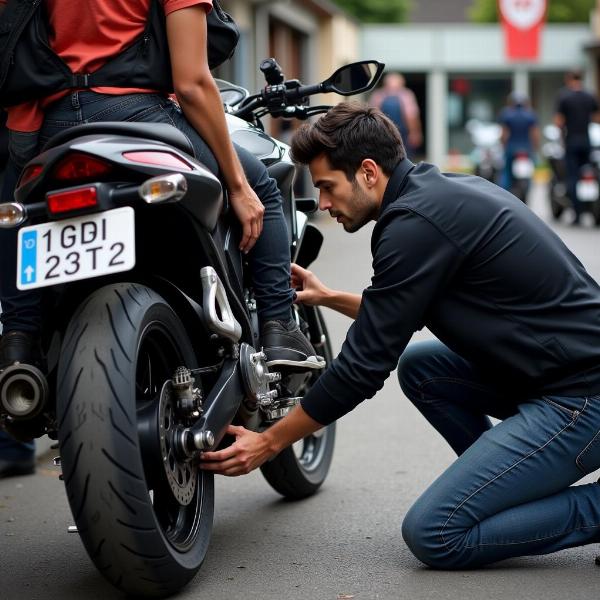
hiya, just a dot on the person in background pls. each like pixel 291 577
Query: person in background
pixel 399 104
pixel 575 109
pixel 520 133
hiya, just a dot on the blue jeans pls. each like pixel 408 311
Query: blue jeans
pixel 509 492
pixel 270 257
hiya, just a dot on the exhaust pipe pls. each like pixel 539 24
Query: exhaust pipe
pixel 23 391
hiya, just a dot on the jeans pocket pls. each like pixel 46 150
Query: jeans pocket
pixel 573 414
pixel 152 114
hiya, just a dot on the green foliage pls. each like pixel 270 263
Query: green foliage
pixel 559 11
pixel 376 11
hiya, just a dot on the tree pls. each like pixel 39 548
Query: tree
pixel 559 11
pixel 376 11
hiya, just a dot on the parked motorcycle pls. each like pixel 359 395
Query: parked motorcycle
pixel 487 155
pixel 151 332
pixel 588 187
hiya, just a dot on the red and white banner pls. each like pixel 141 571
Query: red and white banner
pixel 522 21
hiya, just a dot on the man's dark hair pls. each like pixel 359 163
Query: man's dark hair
pixel 575 74
pixel 347 134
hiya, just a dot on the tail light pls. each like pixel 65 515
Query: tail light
pixel 73 199
pixel 80 167
pixel 521 155
pixel 159 159
pixel 29 174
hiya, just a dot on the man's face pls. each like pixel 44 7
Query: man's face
pixel 349 202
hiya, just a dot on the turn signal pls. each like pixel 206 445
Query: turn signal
pixel 165 188
pixel 12 214
pixel 73 199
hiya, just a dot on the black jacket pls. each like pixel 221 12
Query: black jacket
pixel 468 260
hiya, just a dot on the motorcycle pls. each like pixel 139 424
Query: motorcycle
pixel 522 169
pixel 588 188
pixel 487 155
pixel 150 328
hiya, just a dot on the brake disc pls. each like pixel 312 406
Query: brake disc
pixel 181 475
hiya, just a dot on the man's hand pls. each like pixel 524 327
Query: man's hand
pixel 249 451
pixel 249 210
pixel 309 288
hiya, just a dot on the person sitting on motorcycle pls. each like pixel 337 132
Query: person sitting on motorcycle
pixel 520 133
pixel 86 38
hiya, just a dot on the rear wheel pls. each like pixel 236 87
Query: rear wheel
pixel 143 512
pixel 300 470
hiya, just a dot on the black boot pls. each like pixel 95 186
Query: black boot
pixel 20 346
pixel 286 346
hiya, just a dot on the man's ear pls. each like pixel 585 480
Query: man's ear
pixel 371 171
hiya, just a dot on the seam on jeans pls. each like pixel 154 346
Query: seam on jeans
pixel 538 539
pixel 569 411
pixel 497 477
pixel 592 442
pixel 465 382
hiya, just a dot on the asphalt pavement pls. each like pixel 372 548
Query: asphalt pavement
pixel 342 543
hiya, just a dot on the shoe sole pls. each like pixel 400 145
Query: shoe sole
pixel 312 362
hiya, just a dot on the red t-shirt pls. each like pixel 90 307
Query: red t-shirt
pixel 85 35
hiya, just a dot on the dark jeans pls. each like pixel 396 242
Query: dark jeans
pixel 510 491
pixel 575 158
pixel 269 259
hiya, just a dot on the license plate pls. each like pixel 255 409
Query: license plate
pixel 587 191
pixel 522 168
pixel 73 249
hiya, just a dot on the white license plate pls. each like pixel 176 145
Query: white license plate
pixel 79 248
pixel 522 168
pixel 587 191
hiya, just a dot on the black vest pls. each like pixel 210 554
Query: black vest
pixel 30 69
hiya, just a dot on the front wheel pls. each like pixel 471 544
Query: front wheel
pixel 143 513
pixel 300 470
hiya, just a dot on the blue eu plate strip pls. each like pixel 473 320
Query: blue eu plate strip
pixel 29 257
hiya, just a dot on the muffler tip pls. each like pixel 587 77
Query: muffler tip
pixel 23 391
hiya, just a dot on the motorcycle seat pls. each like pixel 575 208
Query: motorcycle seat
pixel 162 132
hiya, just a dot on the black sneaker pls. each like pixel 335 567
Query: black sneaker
pixel 286 346
pixel 20 346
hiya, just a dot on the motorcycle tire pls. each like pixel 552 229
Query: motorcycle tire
pixel 121 345
pixel 520 189
pixel 299 471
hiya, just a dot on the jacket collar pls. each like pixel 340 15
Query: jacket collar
pixel 396 183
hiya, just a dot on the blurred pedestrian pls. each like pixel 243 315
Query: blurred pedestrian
pixel 399 104
pixel 575 109
pixel 520 133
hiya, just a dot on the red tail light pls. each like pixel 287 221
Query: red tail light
pixel 69 200
pixel 80 167
pixel 521 155
pixel 159 159
pixel 29 174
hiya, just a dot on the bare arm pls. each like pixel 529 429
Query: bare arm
pixel 200 101
pixel 250 449
pixel 535 137
pixel 310 290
